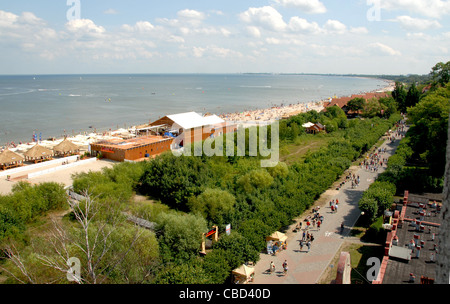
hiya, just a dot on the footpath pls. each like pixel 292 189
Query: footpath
pixel 307 267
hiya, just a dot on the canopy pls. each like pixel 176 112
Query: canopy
pixel 38 151
pixel 244 271
pixel 277 236
pixel 66 146
pixel 9 157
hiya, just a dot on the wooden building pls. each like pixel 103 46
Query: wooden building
pixel 135 149
pixel 10 159
pixel 168 132
pixel 38 154
pixel 313 128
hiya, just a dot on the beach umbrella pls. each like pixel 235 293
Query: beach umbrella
pixel 38 152
pixel 66 146
pixel 9 157
pixel 244 271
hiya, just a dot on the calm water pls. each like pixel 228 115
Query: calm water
pixel 50 105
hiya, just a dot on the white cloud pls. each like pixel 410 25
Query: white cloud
pixel 335 27
pixel 307 6
pixel 297 24
pixel 192 17
pixel 428 8
pixel 380 48
pixel 267 17
pixel 110 11
pixel 253 31
pixel 359 30
pixel 84 27
pixel 416 24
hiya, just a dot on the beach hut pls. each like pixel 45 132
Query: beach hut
pixel 243 274
pixel 66 147
pixel 10 159
pixel 38 154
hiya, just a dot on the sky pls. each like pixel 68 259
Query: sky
pixel 223 36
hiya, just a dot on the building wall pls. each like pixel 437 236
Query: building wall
pixel 150 149
pixel 118 154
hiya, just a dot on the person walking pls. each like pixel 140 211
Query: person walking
pixel 285 267
pixel 308 245
pixel 301 245
pixel 318 225
pixel 272 267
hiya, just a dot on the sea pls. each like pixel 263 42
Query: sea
pixel 45 106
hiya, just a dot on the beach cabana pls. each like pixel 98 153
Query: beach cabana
pixel 66 147
pixel 10 159
pixel 38 154
pixel 243 274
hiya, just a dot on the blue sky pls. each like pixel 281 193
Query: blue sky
pixel 215 36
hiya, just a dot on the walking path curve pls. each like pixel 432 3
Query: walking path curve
pixel 307 267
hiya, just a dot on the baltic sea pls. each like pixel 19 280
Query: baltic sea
pixel 54 105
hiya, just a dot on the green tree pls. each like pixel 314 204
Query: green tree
pixel 412 97
pixel 215 205
pixel 440 73
pixel 399 94
pixel 356 104
pixel 180 236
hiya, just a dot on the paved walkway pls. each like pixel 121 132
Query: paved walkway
pixel 307 267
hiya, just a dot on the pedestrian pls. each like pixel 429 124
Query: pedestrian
pixel 285 267
pixel 318 225
pixel 272 267
pixel 337 202
pixel 342 227
pixel 312 237
pixel 301 245
pixel 304 235
pixel 309 245
pixel 332 208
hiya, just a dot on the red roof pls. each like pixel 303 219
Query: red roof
pixel 342 101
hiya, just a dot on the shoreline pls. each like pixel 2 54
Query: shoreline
pixel 271 114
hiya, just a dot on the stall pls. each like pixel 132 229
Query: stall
pixel 10 159
pixel 243 274
pixel 276 242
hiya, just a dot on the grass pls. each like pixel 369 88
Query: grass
pixel 297 150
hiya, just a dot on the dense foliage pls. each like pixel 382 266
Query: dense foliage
pixel 25 203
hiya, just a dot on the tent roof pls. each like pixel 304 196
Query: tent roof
pixel 66 146
pixel 278 236
pixel 308 125
pixel 212 120
pixel 191 120
pixel 8 156
pixel 38 151
pixel 187 120
pixel 244 270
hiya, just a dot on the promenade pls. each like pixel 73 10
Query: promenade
pixel 307 267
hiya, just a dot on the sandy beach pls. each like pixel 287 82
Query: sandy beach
pixel 286 111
